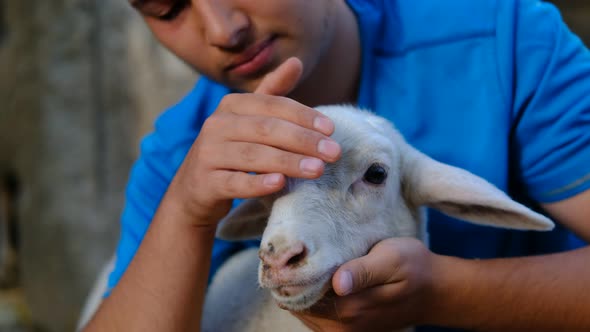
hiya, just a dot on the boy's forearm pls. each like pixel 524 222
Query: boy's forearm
pixel 540 293
pixel 163 287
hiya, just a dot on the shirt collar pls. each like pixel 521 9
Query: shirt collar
pixel 369 18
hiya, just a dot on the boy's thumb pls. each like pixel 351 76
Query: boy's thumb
pixel 351 279
pixel 362 273
pixel 283 79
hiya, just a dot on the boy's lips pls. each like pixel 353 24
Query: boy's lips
pixel 252 59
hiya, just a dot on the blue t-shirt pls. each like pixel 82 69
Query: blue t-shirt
pixel 500 88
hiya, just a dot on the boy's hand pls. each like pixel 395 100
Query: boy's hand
pixel 248 146
pixel 385 290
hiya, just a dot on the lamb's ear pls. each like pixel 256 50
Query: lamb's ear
pixel 461 194
pixel 245 222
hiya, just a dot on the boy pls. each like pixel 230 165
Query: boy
pixel 500 88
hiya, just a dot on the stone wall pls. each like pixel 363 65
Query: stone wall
pixel 80 83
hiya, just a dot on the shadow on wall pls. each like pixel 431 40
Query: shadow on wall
pixel 15 315
pixel 2 22
pixel 9 230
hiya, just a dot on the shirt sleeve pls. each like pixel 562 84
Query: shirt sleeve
pixel 162 153
pixel 551 104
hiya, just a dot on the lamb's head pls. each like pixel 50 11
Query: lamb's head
pixel 373 192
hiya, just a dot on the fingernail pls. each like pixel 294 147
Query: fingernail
pixel 271 180
pixel 311 165
pixel 345 282
pixel 329 148
pixel 323 124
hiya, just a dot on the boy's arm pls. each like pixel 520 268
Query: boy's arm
pixel 540 293
pixel 173 255
pixel 574 213
pixel 164 286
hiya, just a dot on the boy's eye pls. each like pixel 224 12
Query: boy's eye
pixel 165 10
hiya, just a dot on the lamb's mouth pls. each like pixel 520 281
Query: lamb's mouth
pixel 300 296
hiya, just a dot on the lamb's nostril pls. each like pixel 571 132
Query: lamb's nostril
pixel 284 257
pixel 297 259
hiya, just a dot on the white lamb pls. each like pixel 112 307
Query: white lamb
pixel 374 192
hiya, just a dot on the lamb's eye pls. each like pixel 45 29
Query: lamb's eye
pixel 376 174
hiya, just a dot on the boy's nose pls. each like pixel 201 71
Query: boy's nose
pixel 224 25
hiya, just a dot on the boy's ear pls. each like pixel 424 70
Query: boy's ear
pixel 245 222
pixel 461 194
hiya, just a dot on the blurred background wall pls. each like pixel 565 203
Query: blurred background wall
pixel 80 83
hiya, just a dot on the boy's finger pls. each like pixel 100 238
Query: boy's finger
pixel 282 80
pixel 245 185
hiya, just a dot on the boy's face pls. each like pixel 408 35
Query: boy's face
pixel 236 42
